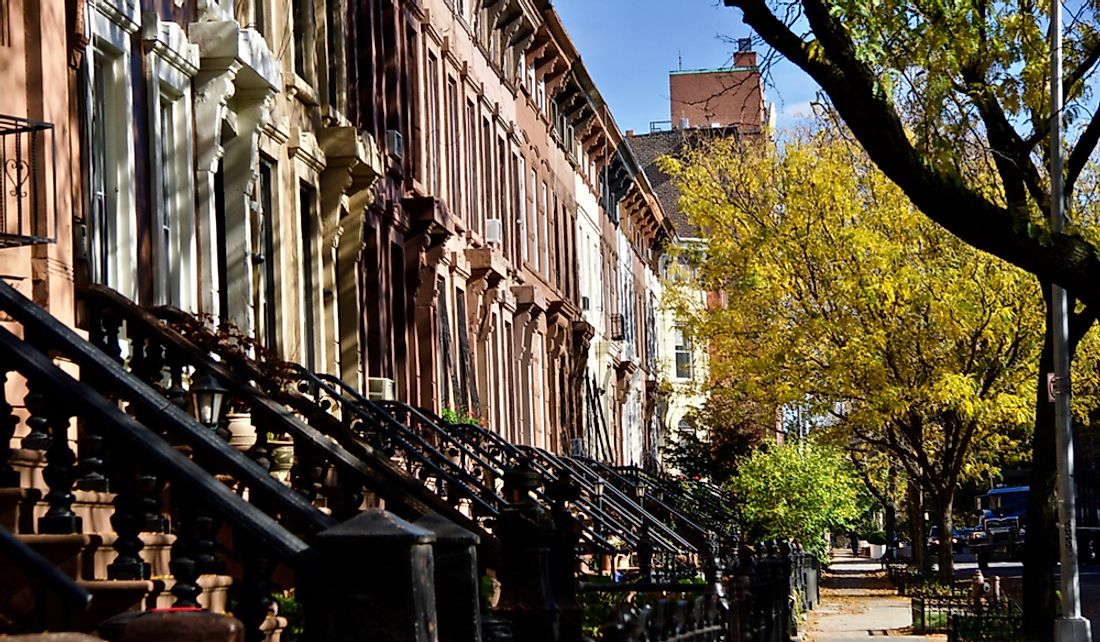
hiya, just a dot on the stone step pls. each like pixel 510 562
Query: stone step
pixel 17 509
pixel 73 555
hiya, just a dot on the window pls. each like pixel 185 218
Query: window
pixel 302 13
pixel 259 22
pixel 267 303
pixel 535 219
pixel 306 197
pixel 448 374
pixel 471 163
pixel 544 228
pixel 454 176
pixel 683 351
pixel 110 229
pixel 487 175
pixel 521 215
pixel 171 62
pixel 433 124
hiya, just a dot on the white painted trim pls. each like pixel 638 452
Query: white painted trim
pixel 112 24
pixel 171 62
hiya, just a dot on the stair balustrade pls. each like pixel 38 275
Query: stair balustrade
pixel 135 451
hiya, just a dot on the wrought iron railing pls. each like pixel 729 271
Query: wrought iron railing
pixel 29 181
pixel 139 456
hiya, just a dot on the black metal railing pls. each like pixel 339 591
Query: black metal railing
pixel 29 181
pixel 332 437
pixel 141 466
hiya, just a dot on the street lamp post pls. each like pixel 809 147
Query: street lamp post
pixel 1071 627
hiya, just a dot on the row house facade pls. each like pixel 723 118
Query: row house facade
pixel 428 198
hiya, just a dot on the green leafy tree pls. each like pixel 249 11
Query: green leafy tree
pixel 839 296
pixel 721 432
pixel 796 491
pixel 944 95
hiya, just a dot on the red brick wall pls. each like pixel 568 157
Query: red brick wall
pixel 724 98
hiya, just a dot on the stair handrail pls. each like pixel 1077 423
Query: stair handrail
pixel 348 452
pixel 592 511
pixel 633 513
pixel 612 473
pixel 717 501
pixel 123 428
pixel 34 565
pixel 382 408
pixel 413 443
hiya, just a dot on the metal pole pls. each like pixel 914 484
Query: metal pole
pixel 1071 627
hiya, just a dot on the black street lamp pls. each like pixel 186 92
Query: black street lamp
pixel 207 398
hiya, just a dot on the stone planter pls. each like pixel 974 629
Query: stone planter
pixel 242 434
pixel 877 551
pixel 282 459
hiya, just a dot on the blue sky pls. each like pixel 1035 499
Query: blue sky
pixel 629 46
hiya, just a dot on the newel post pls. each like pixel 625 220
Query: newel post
pixel 525 530
pixel 456 579
pixel 372 579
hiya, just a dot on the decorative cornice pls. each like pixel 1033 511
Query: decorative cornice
pixel 125 14
pixel 169 42
pixel 303 146
pixel 225 41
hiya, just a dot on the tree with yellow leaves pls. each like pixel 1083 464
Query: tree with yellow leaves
pixel 837 294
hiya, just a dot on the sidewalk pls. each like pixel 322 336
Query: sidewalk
pixel 858 603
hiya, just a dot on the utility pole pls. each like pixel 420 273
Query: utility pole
pixel 1070 627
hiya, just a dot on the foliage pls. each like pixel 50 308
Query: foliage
pixel 597 607
pixel 950 101
pixel 876 537
pixel 291 609
pixel 796 491
pixel 723 430
pixel 842 300
pixel 238 348
pixel 459 417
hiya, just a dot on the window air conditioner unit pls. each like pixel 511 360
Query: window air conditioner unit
pixel 584 304
pixel 379 389
pixel 494 231
pixel 395 143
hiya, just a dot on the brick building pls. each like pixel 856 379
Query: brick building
pixel 704 104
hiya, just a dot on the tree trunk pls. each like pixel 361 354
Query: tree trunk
pixel 1041 543
pixel 945 523
pixel 916 524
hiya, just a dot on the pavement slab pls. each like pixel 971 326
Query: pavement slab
pixel 859 603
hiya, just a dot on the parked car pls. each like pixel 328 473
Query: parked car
pixel 933 541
